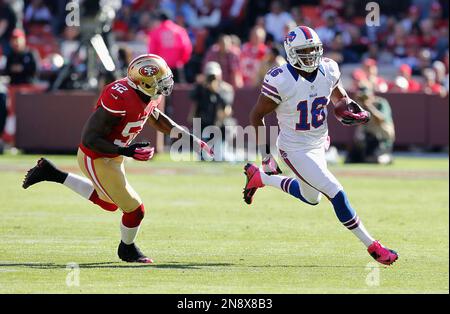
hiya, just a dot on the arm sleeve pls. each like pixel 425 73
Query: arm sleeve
pixel 270 86
pixel 113 103
pixel 333 70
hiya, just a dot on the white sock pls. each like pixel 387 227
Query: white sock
pixel 363 235
pixel 80 185
pixel 128 235
pixel 272 180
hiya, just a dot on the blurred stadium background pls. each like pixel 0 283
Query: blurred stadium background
pixel 72 48
pixel 55 57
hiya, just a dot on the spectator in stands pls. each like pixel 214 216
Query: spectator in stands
pixel 21 63
pixel 212 100
pixel 411 19
pixel 374 141
pixel 273 58
pixel 70 43
pixel 404 82
pixel 223 53
pixel 397 43
pixel 207 14
pixel 378 84
pixel 328 32
pixel 37 13
pixel 428 34
pixel 253 53
pixel 3 113
pixel 431 86
pixel 125 24
pixel 424 58
pixel 181 8
pixel 436 16
pixel 236 44
pixel 442 42
pixel 276 20
pixel 8 20
pixel 441 74
pixel 233 16
pixel 335 49
pixel 374 52
pixel 171 42
pixel 145 24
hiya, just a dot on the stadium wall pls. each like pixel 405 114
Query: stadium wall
pixel 52 122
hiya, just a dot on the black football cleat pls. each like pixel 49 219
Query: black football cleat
pixel 130 253
pixel 43 171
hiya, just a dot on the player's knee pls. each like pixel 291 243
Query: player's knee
pixel 94 198
pixel 133 219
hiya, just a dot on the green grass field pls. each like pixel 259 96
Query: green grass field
pixel 205 239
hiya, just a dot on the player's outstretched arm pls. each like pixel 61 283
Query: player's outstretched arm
pixel 164 124
pixel 263 107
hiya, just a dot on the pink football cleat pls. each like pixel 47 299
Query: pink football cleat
pixel 382 254
pixel 253 183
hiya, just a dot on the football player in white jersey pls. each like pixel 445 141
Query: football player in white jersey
pixel 299 92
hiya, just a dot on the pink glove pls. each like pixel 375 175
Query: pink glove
pixel 138 151
pixel 143 154
pixel 356 115
pixel 204 147
pixel 350 118
pixel 270 166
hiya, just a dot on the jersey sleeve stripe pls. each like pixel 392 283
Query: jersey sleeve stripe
pixel 269 93
pixel 270 87
pixel 122 112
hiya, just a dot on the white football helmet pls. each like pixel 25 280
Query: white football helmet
pixel 303 48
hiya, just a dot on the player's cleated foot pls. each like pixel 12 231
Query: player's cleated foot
pixel 382 254
pixel 131 253
pixel 43 171
pixel 253 183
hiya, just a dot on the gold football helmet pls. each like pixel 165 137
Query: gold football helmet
pixel 151 75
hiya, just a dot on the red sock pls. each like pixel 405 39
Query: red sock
pixel 94 198
pixel 133 219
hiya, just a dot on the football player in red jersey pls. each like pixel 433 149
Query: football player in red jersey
pixel 122 109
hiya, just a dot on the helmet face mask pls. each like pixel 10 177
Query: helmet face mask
pixel 309 58
pixel 165 85
pixel 303 49
pixel 151 75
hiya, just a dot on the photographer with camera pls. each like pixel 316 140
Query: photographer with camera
pixel 374 141
pixel 212 100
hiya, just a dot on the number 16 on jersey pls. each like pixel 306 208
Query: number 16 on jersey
pixel 314 117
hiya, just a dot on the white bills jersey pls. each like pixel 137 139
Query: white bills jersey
pixel 302 104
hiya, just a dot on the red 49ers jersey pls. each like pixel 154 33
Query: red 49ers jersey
pixel 120 100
